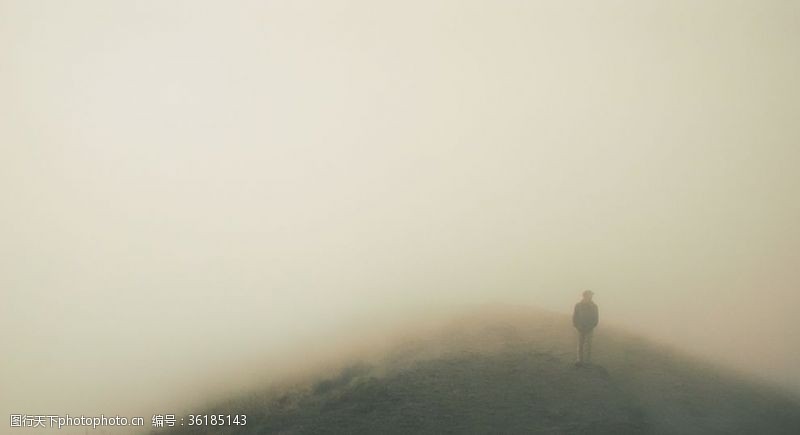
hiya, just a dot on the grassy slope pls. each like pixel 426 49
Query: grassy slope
pixel 510 371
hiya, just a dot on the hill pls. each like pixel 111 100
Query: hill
pixel 510 370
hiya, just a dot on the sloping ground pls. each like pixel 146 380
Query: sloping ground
pixel 510 371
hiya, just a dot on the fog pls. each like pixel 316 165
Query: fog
pixel 193 189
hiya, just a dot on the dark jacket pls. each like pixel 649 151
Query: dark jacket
pixel 585 316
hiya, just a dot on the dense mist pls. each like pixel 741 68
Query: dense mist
pixel 198 194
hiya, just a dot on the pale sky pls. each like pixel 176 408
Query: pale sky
pixel 187 184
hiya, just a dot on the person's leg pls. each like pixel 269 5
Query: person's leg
pixel 587 346
pixel 581 341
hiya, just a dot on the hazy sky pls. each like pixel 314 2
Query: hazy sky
pixel 206 181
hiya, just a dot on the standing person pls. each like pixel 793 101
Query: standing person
pixel 585 318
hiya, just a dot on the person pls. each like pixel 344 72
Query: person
pixel 585 318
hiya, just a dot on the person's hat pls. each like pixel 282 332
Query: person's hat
pixel 588 293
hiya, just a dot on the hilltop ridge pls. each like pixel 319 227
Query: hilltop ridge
pixel 510 370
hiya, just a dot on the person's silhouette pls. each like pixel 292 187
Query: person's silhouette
pixel 585 318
